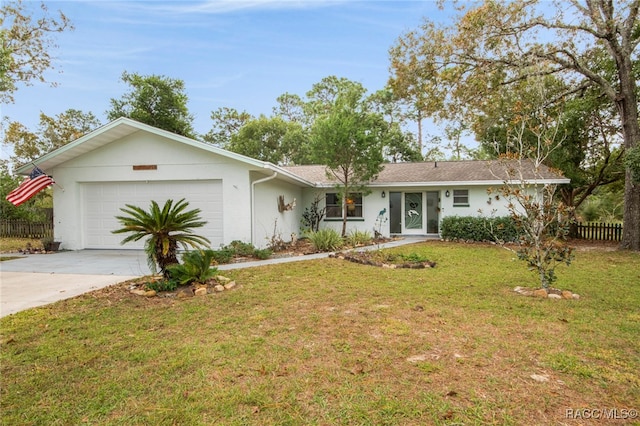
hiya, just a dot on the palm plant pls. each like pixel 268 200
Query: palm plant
pixel 166 228
pixel 196 267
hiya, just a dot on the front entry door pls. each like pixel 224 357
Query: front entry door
pixel 413 214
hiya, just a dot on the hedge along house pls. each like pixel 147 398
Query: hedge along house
pixel 413 198
pixel 127 162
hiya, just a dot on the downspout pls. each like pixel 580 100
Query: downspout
pixel 253 204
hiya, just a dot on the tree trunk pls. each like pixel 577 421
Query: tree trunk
pixel 628 108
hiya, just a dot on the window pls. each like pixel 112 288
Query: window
pixel 461 198
pixel 334 205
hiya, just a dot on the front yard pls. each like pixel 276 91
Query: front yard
pixel 334 342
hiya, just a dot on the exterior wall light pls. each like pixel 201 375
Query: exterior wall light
pixel 446 194
pixel 383 194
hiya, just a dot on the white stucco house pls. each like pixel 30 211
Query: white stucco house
pixel 127 162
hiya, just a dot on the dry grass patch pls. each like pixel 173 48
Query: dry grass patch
pixel 331 342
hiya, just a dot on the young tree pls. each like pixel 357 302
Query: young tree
pixel 499 44
pixel 26 45
pixel 165 230
pixel 543 222
pixel 349 141
pixel 155 100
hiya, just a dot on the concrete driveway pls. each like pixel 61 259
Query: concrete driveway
pixel 40 279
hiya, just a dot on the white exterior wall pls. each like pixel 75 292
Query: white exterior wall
pixel 374 203
pixel 175 161
pixel 267 215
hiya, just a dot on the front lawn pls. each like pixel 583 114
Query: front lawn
pixel 329 342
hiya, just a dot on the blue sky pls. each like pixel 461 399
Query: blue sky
pixel 239 54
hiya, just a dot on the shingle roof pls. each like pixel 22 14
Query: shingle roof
pixel 441 172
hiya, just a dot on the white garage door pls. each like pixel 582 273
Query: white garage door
pixel 103 201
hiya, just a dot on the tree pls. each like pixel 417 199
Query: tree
pixel 166 229
pixel 542 221
pixel 349 141
pixel 155 100
pixel 498 44
pixel 31 210
pixel 52 133
pixel 589 153
pixel 26 45
pixel 226 123
pixel 273 140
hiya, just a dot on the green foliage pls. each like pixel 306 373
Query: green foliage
pixel 32 210
pixel 195 267
pixel 349 139
pixel 52 133
pixel 26 41
pixel 632 162
pixel 478 228
pixel 241 249
pixel 223 255
pixel 262 254
pixel 359 238
pixel 166 229
pixel 313 214
pixel 162 285
pixel 271 139
pixel 325 240
pixel 604 205
pixel 226 123
pixel 155 100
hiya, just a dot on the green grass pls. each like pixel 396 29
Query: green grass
pixel 332 342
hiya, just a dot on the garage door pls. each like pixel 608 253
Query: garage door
pixel 102 202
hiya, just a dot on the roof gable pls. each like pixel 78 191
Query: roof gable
pixel 123 127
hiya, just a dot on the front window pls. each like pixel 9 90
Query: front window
pixel 461 198
pixel 334 205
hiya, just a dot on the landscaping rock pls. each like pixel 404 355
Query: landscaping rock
pixel 219 288
pixel 201 291
pixel 222 279
pixel 230 285
pixel 554 296
pixel 138 292
pixel 566 294
pixel 187 292
pixel 576 296
pixel 541 292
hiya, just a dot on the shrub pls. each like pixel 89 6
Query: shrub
pixel 162 285
pixel 472 228
pixel 356 238
pixel 224 255
pixel 262 253
pixel 196 267
pixel 326 240
pixel 241 249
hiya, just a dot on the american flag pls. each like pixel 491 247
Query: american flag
pixel 30 186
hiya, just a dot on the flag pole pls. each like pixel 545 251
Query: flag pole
pixel 54 181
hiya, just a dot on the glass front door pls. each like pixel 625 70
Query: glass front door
pixel 413 212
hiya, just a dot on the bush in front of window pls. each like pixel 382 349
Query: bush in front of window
pixel 325 240
pixel 477 228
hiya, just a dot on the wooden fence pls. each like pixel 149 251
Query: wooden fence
pixel 599 231
pixel 25 229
